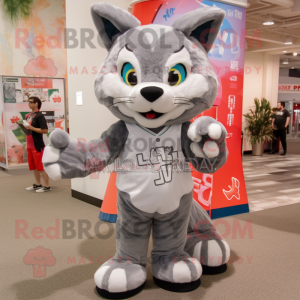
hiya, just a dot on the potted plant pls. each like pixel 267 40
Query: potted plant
pixel 259 125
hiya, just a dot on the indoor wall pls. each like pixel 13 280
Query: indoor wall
pixel 261 78
pixel 34 46
pixel 91 119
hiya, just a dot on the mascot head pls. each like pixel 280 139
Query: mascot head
pixel 156 75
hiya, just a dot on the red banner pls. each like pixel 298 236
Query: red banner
pixel 36 83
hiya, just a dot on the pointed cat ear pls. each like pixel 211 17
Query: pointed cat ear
pixel 111 21
pixel 202 23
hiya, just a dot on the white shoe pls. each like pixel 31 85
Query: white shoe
pixel 34 187
pixel 43 189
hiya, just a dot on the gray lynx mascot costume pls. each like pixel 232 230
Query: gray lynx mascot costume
pixel 154 80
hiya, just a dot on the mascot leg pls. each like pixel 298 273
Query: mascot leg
pixel 205 243
pixel 125 274
pixel 173 269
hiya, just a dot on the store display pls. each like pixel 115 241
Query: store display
pixel 3 155
pixel 16 93
pixel 155 92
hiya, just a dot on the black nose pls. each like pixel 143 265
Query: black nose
pixel 151 93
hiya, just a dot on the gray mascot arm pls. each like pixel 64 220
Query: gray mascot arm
pixel 204 144
pixel 64 158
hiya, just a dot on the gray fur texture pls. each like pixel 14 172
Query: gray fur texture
pixel 103 14
pixel 77 159
pixel 150 64
pixel 154 55
pixel 205 164
pixel 189 22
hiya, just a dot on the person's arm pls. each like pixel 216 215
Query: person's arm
pixel 42 123
pixel 287 122
pixel 38 130
pixel 287 119
pixel 273 122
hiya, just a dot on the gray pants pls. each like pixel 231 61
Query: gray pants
pixel 174 258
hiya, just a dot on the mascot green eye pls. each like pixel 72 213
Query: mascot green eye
pixel 129 74
pixel 177 75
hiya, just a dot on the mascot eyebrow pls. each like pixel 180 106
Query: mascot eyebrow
pixel 179 49
pixel 127 47
pixel 151 141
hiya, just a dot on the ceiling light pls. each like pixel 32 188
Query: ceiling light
pixel 286 62
pixel 269 21
pixel 284 51
pixel 295 53
pixel 289 40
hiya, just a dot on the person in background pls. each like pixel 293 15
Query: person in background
pixel 281 121
pixel 35 145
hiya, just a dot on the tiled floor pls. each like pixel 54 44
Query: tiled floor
pixel 272 180
pixel 3 174
pixel 293 146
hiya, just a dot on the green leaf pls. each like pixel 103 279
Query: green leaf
pixel 17 9
pixel 259 121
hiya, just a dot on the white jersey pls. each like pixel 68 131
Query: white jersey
pixel 148 171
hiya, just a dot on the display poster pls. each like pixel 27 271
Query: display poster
pixel 222 193
pixel 3 160
pixel 16 94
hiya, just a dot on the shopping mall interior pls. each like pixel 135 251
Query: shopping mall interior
pixel 230 142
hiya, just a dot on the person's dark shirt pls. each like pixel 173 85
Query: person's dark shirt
pixel 280 118
pixel 39 121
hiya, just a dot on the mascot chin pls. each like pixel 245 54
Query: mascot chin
pixel 154 81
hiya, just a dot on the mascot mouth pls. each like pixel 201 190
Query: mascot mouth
pixel 151 115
